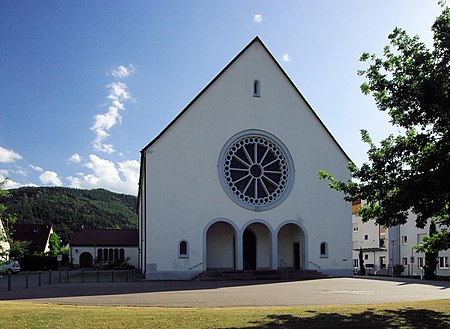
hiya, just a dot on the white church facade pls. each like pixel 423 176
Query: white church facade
pixel 232 182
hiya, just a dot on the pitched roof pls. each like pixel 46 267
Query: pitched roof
pixel 36 234
pixel 255 40
pixel 107 237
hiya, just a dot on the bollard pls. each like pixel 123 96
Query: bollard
pixel 9 280
pixel 82 276
pixel 26 279
pixel 39 279
pixel 49 276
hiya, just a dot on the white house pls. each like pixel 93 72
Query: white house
pixel 385 247
pixel 232 182
pixel 4 244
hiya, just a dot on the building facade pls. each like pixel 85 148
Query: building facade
pixel 385 247
pixel 232 182
pixel 96 247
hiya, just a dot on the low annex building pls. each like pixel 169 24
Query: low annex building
pixel 232 182
pixel 92 247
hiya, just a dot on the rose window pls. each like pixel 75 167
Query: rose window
pixel 256 171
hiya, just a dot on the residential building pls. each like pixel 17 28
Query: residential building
pixel 4 244
pixel 37 236
pixel 385 247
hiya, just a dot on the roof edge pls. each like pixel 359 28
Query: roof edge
pixel 256 39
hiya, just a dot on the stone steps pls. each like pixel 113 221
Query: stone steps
pixel 274 275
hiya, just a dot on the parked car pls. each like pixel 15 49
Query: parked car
pixel 10 267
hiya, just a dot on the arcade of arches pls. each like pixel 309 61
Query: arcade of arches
pixel 256 246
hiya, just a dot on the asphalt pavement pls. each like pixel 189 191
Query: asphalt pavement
pixel 357 290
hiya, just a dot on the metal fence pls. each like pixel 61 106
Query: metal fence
pixel 25 280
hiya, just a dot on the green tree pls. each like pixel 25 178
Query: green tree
pixel 409 171
pixel 362 268
pixel 54 244
pixel 430 257
pixel 18 249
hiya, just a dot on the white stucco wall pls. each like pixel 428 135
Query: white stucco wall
pixel 183 193
pixel 76 251
pixel 4 245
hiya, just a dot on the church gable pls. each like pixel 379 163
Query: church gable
pixel 238 165
pixel 254 72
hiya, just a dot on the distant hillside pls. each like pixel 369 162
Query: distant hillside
pixel 69 209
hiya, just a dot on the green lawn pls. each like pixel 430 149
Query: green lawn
pixel 427 314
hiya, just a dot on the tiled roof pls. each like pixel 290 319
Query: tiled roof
pixel 36 234
pixel 108 237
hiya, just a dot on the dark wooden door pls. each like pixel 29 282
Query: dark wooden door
pixel 249 248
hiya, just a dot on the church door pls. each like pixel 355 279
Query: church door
pixel 249 250
pixel 296 256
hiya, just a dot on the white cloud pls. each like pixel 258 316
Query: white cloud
pixel 50 177
pixel 12 184
pixel 75 158
pixel 22 172
pixel 286 58
pixel 123 72
pixel 118 94
pixel 258 18
pixel 119 177
pixel 3 173
pixel 8 155
pixel 36 168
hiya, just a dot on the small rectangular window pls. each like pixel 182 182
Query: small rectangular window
pixel 420 262
pixel 404 261
pixel 366 237
pixel 443 262
pixel 404 239
pixel 366 257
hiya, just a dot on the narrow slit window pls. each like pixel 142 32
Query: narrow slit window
pixel 256 88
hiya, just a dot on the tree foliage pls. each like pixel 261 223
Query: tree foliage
pixel 54 244
pixel 68 209
pixel 409 171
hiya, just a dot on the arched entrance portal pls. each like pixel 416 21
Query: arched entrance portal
pixel 220 247
pixel 249 249
pixel 291 247
pixel 256 247
pixel 86 259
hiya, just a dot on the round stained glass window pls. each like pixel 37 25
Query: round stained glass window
pixel 256 170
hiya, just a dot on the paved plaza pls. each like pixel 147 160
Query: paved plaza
pixel 231 293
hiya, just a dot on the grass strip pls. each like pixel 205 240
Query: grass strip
pixel 424 314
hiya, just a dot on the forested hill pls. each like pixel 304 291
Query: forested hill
pixel 69 209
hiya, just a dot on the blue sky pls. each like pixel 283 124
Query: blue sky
pixel 85 85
